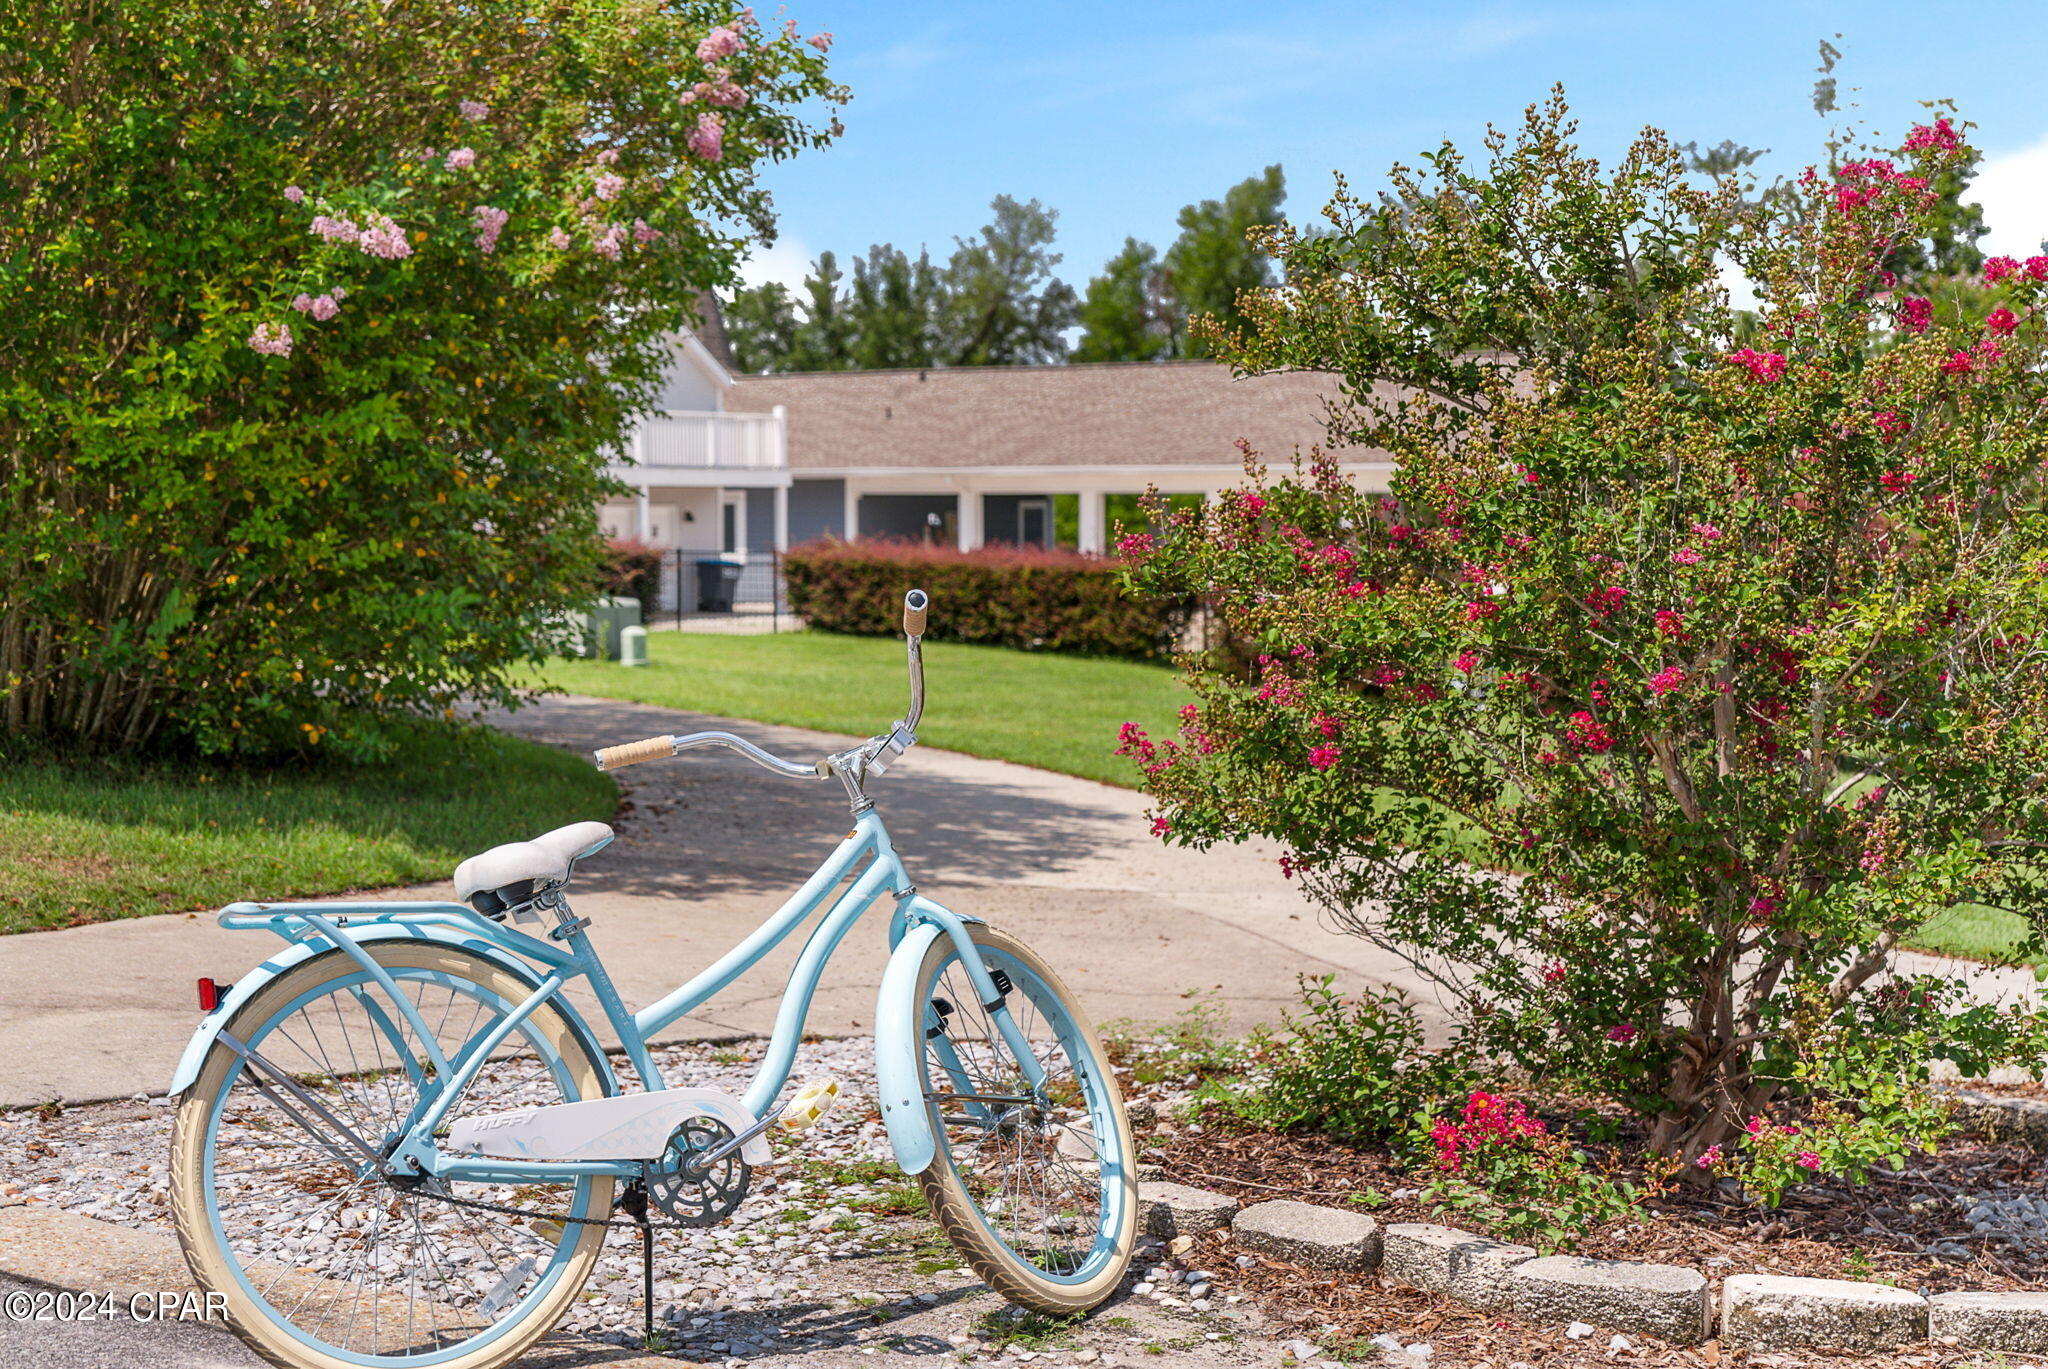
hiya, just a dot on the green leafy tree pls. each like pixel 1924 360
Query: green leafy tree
pixel 896 304
pixel 823 337
pixel 1217 259
pixel 1674 681
pixel 322 322
pixel 1125 315
pixel 1004 306
pixel 761 323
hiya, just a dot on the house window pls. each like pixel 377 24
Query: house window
pixel 1034 522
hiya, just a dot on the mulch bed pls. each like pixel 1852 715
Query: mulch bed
pixel 1876 1233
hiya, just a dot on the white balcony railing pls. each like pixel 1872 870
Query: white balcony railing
pixel 705 441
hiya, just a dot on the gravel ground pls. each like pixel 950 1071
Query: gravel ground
pixel 830 1260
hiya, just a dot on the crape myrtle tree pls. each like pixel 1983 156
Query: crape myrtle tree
pixel 319 324
pixel 1673 681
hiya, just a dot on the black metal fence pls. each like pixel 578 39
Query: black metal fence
pixel 757 592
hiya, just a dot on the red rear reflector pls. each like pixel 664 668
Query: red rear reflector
pixel 209 995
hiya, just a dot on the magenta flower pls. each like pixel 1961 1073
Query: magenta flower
pixel 1807 1159
pixel 476 111
pixel 1621 1033
pixel 2002 321
pixel 1709 1157
pixel 1135 545
pixel 707 139
pixel 1765 366
pixel 461 159
pixel 1466 660
pixel 294 194
pixel 1160 827
pixel 1998 268
pixel 1666 680
pixel 1763 905
pixel 1916 313
pixel 1686 556
pixel 1939 136
pixel 272 339
pixel 1323 757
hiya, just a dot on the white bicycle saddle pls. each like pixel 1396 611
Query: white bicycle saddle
pixel 508 875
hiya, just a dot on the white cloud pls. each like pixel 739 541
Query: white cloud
pixel 2013 188
pixel 786 263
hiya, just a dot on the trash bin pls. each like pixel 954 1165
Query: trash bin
pixel 717 582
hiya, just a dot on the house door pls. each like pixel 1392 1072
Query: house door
pixel 731 526
pixel 1034 522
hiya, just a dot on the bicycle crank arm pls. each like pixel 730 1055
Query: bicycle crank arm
pixel 258 1062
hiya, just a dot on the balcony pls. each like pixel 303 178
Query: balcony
pixel 689 448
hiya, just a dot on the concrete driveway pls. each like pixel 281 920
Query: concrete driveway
pixel 708 846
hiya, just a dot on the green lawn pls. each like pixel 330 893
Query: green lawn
pixel 1037 708
pixel 88 841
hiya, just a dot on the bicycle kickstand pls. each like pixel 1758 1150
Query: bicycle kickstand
pixel 634 1204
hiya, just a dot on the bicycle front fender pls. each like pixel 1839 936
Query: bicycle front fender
pixel 899 1044
pixel 298 952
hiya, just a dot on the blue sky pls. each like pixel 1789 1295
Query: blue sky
pixel 1116 115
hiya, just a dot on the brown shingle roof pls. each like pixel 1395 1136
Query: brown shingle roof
pixel 1172 414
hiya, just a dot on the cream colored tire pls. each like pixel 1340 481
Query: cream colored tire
pixel 1001 1267
pixel 191 1206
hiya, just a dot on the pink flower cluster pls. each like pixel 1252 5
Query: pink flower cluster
pixel 1670 622
pixel 2002 321
pixel 1765 366
pixel 608 186
pixel 1588 733
pixel 720 43
pixel 461 159
pixel 2002 268
pixel 1666 680
pixel 321 307
pixel 1939 136
pixel 822 41
pixel 272 339
pixel 644 233
pixel 1621 1033
pixel 294 194
pixel 1486 1121
pixel 489 223
pixel 1323 757
pixel 383 238
pixel 707 139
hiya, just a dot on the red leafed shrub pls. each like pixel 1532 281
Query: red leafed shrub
pixel 1023 597
pixel 633 568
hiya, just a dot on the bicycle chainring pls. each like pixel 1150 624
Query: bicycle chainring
pixel 690 1192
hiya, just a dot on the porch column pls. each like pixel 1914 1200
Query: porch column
pixel 851 513
pixel 782 518
pixel 967 518
pixel 1094 533
pixel 646 516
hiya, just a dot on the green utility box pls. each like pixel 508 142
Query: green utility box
pixel 608 624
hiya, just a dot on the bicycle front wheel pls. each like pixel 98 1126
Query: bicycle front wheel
pixel 323 1261
pixel 1034 1183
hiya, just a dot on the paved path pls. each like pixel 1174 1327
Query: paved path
pixel 708 846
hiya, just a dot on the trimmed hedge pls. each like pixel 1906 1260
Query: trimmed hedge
pixel 1024 597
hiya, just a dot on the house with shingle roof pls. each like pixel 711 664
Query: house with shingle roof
pixel 743 465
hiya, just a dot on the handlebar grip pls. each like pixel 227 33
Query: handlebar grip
pixel 632 753
pixel 914 605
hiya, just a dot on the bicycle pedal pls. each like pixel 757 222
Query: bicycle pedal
pixel 811 1103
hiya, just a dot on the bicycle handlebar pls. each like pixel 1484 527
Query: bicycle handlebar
pixel 873 757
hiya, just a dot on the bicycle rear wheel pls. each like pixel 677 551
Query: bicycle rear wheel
pixel 1035 1185
pixel 324 1262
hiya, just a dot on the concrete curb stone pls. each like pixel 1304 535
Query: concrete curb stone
pixel 1662 1300
pixel 2016 1321
pixel 1442 1259
pixel 1305 1234
pixel 1168 1210
pixel 1777 1312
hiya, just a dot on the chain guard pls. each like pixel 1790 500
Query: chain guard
pixel 692 1198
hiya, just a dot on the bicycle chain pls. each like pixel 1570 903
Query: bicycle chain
pixel 636 1223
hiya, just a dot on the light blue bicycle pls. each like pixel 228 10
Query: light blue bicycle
pixel 399 1143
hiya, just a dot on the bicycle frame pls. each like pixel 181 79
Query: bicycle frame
pixel 866 856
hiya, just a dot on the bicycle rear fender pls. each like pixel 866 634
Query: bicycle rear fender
pixel 298 952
